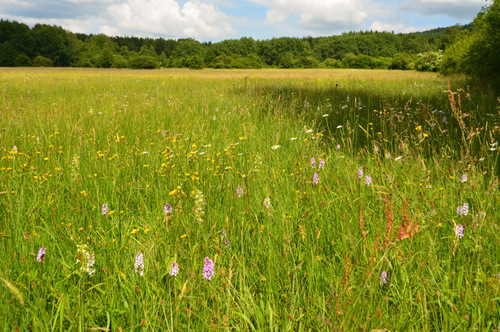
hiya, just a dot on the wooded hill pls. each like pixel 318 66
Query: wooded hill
pixel 46 45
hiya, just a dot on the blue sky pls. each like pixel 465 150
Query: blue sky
pixel 215 20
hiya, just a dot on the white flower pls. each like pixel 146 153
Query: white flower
pixel 275 147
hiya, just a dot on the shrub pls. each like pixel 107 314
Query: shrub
pixel 331 63
pixel 119 61
pixel 307 62
pixel 22 60
pixel 401 61
pixel 143 62
pixel 41 61
pixel 195 62
pixel 428 61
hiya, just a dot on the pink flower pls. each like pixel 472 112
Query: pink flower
pixel 208 269
pixel 41 255
pixel 316 178
pixel 174 269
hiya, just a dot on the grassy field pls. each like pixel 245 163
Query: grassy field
pixel 284 200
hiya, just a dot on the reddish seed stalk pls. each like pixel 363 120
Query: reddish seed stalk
pixel 388 215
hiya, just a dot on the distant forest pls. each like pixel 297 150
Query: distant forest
pixel 46 45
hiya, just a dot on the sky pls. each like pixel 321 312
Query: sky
pixel 216 20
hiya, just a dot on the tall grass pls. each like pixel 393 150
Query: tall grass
pixel 313 259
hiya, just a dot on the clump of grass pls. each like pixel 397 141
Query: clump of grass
pixel 99 154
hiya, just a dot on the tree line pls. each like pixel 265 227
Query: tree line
pixel 451 49
pixel 46 45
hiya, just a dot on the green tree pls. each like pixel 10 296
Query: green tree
pixel 286 60
pixel 482 59
pixel 401 61
pixel 55 43
pixel 106 58
pixel 8 54
pixel 195 62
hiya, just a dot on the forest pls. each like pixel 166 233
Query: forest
pixel 467 49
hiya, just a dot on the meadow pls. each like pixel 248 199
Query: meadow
pixel 284 200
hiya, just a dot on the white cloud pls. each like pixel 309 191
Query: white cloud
pixel 317 15
pixel 397 28
pixel 167 18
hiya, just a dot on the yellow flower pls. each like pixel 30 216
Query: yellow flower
pixel 147 230
pixel 183 236
pixel 134 231
pixel 419 128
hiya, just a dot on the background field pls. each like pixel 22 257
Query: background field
pixel 72 140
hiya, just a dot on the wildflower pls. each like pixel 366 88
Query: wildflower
pixel 360 172
pixel 174 269
pixel 313 162
pixel 347 98
pixel 139 263
pixel 459 231
pixel 463 210
pixel 316 178
pixel 239 191
pixel 199 203
pixel 86 259
pixel 383 278
pixel 338 146
pixel 275 147
pixel 41 255
pixel 105 209
pixel 14 149
pixel 267 202
pixel 208 269
pixel 167 209
pixel 226 240
pixel 444 119
pixel 368 180
pixel 387 155
pixel 321 164
pixel 463 178
pixel 375 149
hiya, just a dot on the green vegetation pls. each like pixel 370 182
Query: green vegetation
pixel 326 200
pixel 367 50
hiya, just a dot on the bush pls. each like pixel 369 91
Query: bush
pixel 251 61
pixel 331 63
pixel 401 61
pixel 119 61
pixel 428 61
pixel 195 62
pixel 224 62
pixel 143 62
pixel 307 62
pixel 41 61
pixel 22 60
pixel 286 60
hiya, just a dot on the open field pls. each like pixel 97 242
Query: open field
pixel 248 200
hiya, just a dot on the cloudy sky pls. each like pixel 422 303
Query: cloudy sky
pixel 214 20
